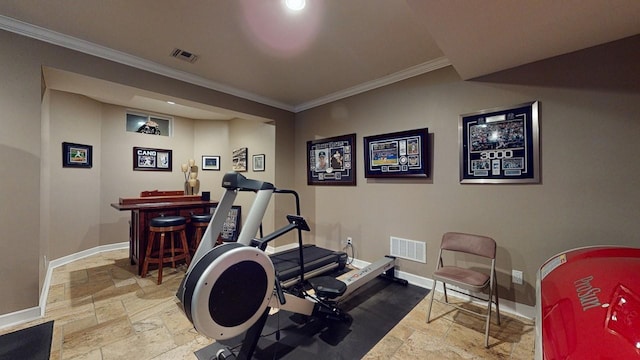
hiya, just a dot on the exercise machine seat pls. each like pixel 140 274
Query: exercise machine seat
pixel 327 287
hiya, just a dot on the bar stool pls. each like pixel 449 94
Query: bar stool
pixel 163 225
pixel 199 222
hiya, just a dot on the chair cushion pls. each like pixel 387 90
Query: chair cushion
pixel 464 278
pixel 201 217
pixel 167 221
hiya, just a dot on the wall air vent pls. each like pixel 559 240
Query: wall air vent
pixel 409 249
pixel 184 55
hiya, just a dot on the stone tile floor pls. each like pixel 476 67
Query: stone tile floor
pixel 104 311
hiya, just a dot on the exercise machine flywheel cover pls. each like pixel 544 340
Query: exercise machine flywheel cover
pixel 228 290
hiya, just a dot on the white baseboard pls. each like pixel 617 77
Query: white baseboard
pixel 69 259
pixel 35 313
pixel 19 317
pixel 26 315
pixel 86 253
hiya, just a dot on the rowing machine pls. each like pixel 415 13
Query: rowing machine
pixel 230 289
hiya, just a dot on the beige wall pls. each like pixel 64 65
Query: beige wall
pixel 212 138
pixel 20 99
pixel 73 198
pixel 589 149
pixel 589 131
pixel 49 212
pixel 258 139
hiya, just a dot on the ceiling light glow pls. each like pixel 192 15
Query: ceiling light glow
pixel 279 31
pixel 295 5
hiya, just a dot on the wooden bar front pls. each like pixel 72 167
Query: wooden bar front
pixel 143 212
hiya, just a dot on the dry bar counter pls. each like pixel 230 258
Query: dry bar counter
pixel 145 208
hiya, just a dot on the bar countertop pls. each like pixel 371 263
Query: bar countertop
pixel 162 205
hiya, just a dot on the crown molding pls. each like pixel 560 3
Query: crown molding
pixel 55 38
pixel 416 70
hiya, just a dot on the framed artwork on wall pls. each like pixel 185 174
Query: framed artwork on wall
pixel 332 161
pixel 152 159
pixel 397 155
pixel 77 155
pixel 500 145
pixel 210 162
pixel 239 158
pixel 258 162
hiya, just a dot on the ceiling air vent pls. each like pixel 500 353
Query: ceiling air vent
pixel 184 55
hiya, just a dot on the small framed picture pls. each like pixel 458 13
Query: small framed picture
pixel 258 162
pixel 239 159
pixel 77 155
pixel 211 162
pixel 151 159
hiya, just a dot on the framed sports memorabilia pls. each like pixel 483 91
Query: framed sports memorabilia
pixel 397 155
pixel 500 145
pixel 77 155
pixel 332 161
pixel 151 159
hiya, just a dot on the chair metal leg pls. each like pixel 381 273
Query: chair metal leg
pixel 488 321
pixel 444 288
pixel 497 301
pixel 432 294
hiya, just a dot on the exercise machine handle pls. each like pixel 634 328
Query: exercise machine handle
pixel 280 293
pixel 295 222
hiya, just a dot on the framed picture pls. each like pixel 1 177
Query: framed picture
pixel 239 159
pixel 500 145
pixel 232 225
pixel 77 155
pixel 397 155
pixel 210 162
pixel 151 159
pixel 258 162
pixel 332 161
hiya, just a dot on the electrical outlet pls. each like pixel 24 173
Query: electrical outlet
pixel 516 277
pixel 349 240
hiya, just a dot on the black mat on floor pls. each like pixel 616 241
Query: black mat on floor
pixel 33 343
pixel 375 309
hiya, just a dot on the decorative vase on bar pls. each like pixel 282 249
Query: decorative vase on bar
pixel 191 182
